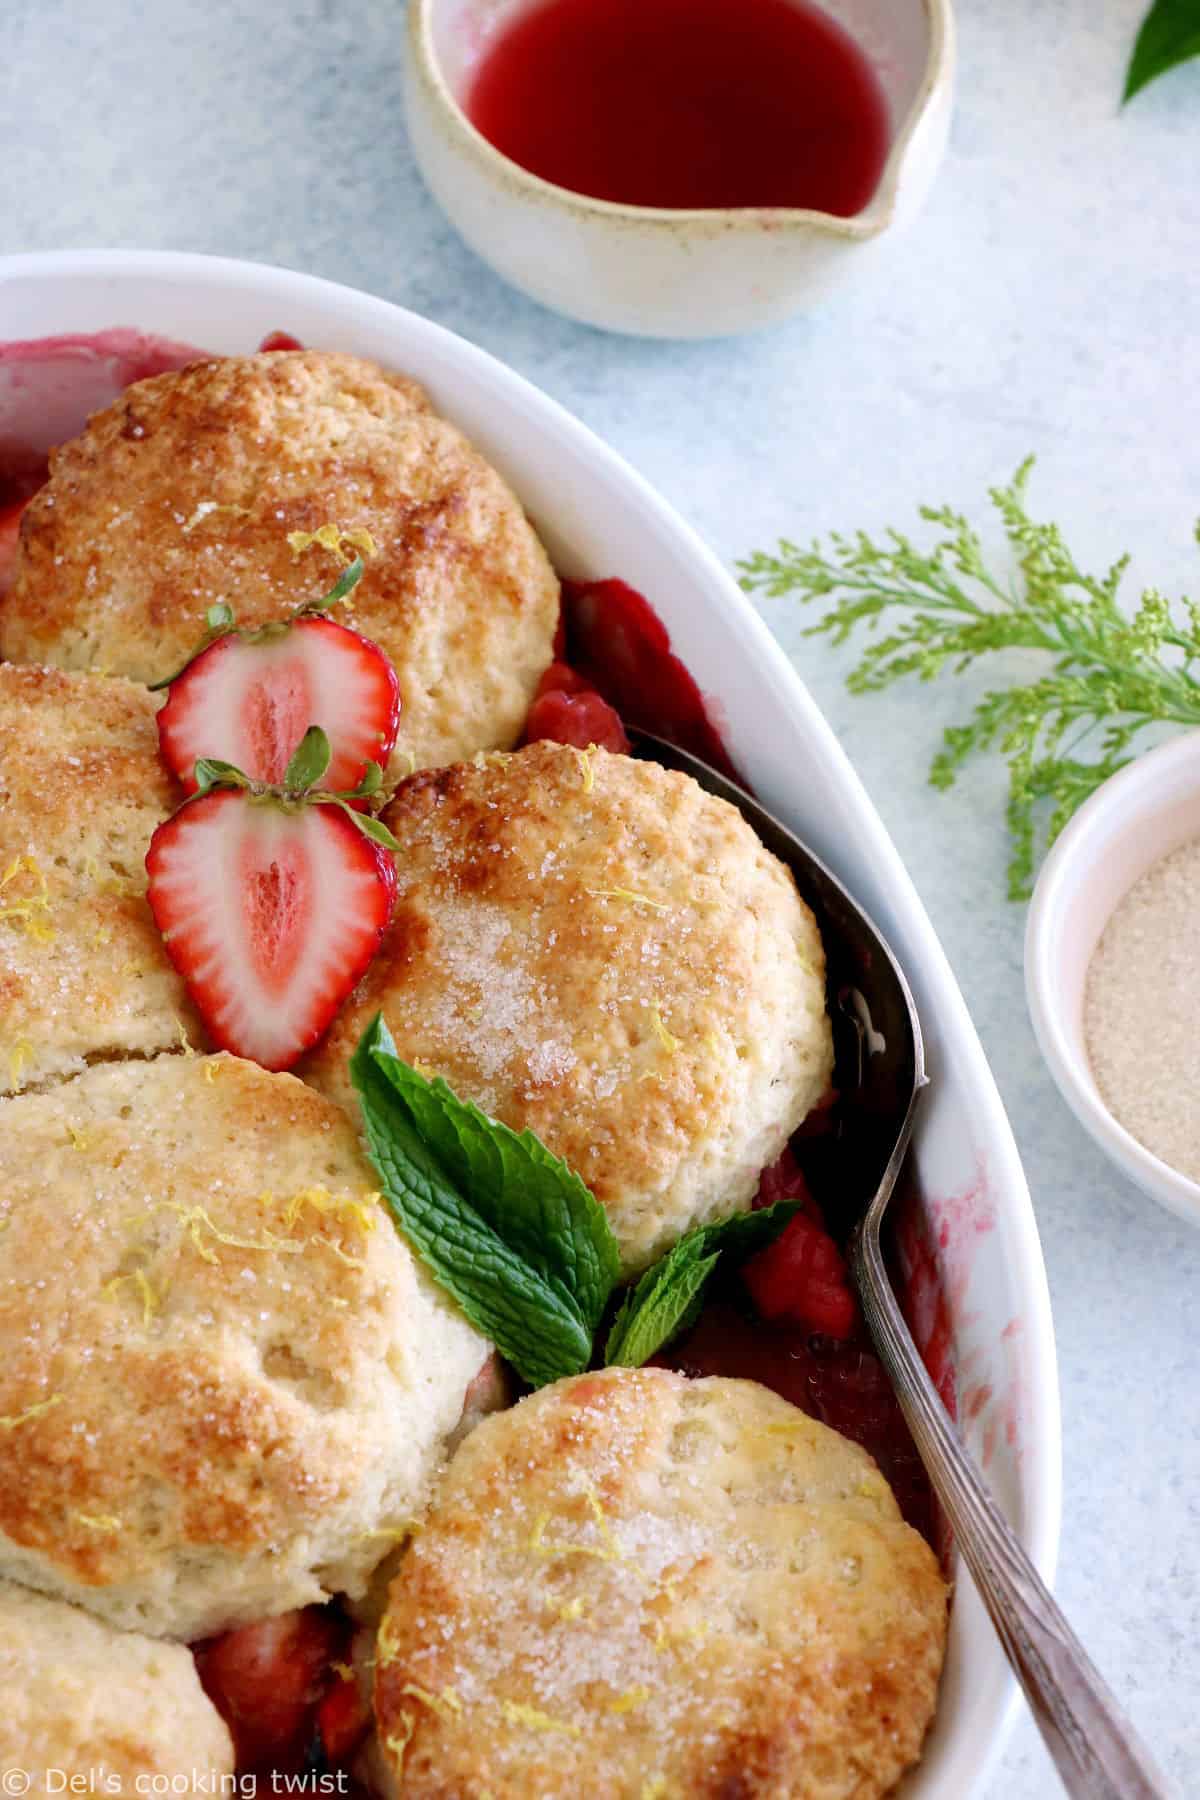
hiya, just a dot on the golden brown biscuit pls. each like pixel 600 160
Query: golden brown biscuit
pixel 185 490
pixel 597 949
pixel 82 969
pixel 634 1585
pixel 225 1382
pixel 85 1702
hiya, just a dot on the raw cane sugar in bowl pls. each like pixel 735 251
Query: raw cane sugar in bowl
pixel 1112 970
pixel 598 519
pixel 749 171
pixel 1140 1006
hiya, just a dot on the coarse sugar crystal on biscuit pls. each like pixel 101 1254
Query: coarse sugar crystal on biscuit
pixel 83 972
pixel 637 1585
pixel 86 1705
pixel 252 480
pixel 595 948
pixel 226 1384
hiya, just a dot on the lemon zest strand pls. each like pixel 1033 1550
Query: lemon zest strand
pixel 516 1713
pixel 10 1421
pixel 333 538
pixel 620 893
pixel 99 1521
pixel 666 1038
pixel 195 1219
pixel 446 1704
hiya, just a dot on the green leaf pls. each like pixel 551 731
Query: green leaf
pixel 218 622
pixel 210 773
pixel 345 584
pixel 668 1297
pixel 469 1196
pixel 367 823
pixel 309 761
pixel 372 781
pixel 1170 35
pixel 533 1199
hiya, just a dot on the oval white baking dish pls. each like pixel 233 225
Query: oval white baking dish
pixel 598 517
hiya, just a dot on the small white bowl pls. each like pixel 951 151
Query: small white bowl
pixel 1139 816
pixel 656 271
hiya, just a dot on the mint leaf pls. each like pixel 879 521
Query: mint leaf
pixel 309 761
pixel 664 1303
pixel 668 1297
pixel 530 1197
pixel 477 1203
pixel 1170 35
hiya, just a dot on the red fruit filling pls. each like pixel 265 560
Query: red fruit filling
pixel 280 340
pixel 343 1719
pixel 268 1680
pixel 622 647
pixel 801 1278
pixel 580 718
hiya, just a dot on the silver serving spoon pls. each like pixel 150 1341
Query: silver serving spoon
pixel 881 1065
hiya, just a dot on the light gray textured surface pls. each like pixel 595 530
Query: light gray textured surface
pixel 1047 300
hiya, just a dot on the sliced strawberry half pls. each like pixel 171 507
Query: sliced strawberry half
pixel 249 698
pixel 271 908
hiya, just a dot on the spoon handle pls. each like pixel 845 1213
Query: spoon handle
pixel 1094 1747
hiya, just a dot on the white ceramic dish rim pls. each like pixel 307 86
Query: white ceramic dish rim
pixel 972 1734
pixel 873 219
pixel 1131 793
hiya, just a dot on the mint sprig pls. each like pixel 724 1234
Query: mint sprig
pixel 505 1227
pixel 669 1295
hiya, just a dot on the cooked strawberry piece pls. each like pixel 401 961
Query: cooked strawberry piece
pixel 271 912
pixel 801 1277
pixel 343 1720
pixel 621 645
pixel 581 718
pixel 782 1180
pixel 560 677
pixel 267 1681
pixel 280 340
pixel 250 699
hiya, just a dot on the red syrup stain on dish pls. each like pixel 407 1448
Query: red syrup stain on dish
pixel 686 103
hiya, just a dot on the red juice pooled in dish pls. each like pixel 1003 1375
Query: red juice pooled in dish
pixel 686 103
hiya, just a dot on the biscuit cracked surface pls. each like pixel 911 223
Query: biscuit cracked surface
pixel 639 1587
pixel 226 1384
pixel 595 948
pixel 185 491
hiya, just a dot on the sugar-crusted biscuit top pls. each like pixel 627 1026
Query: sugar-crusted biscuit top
pixel 595 948
pixel 635 1586
pixel 185 492
pixel 87 1702
pixel 225 1382
pixel 83 972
